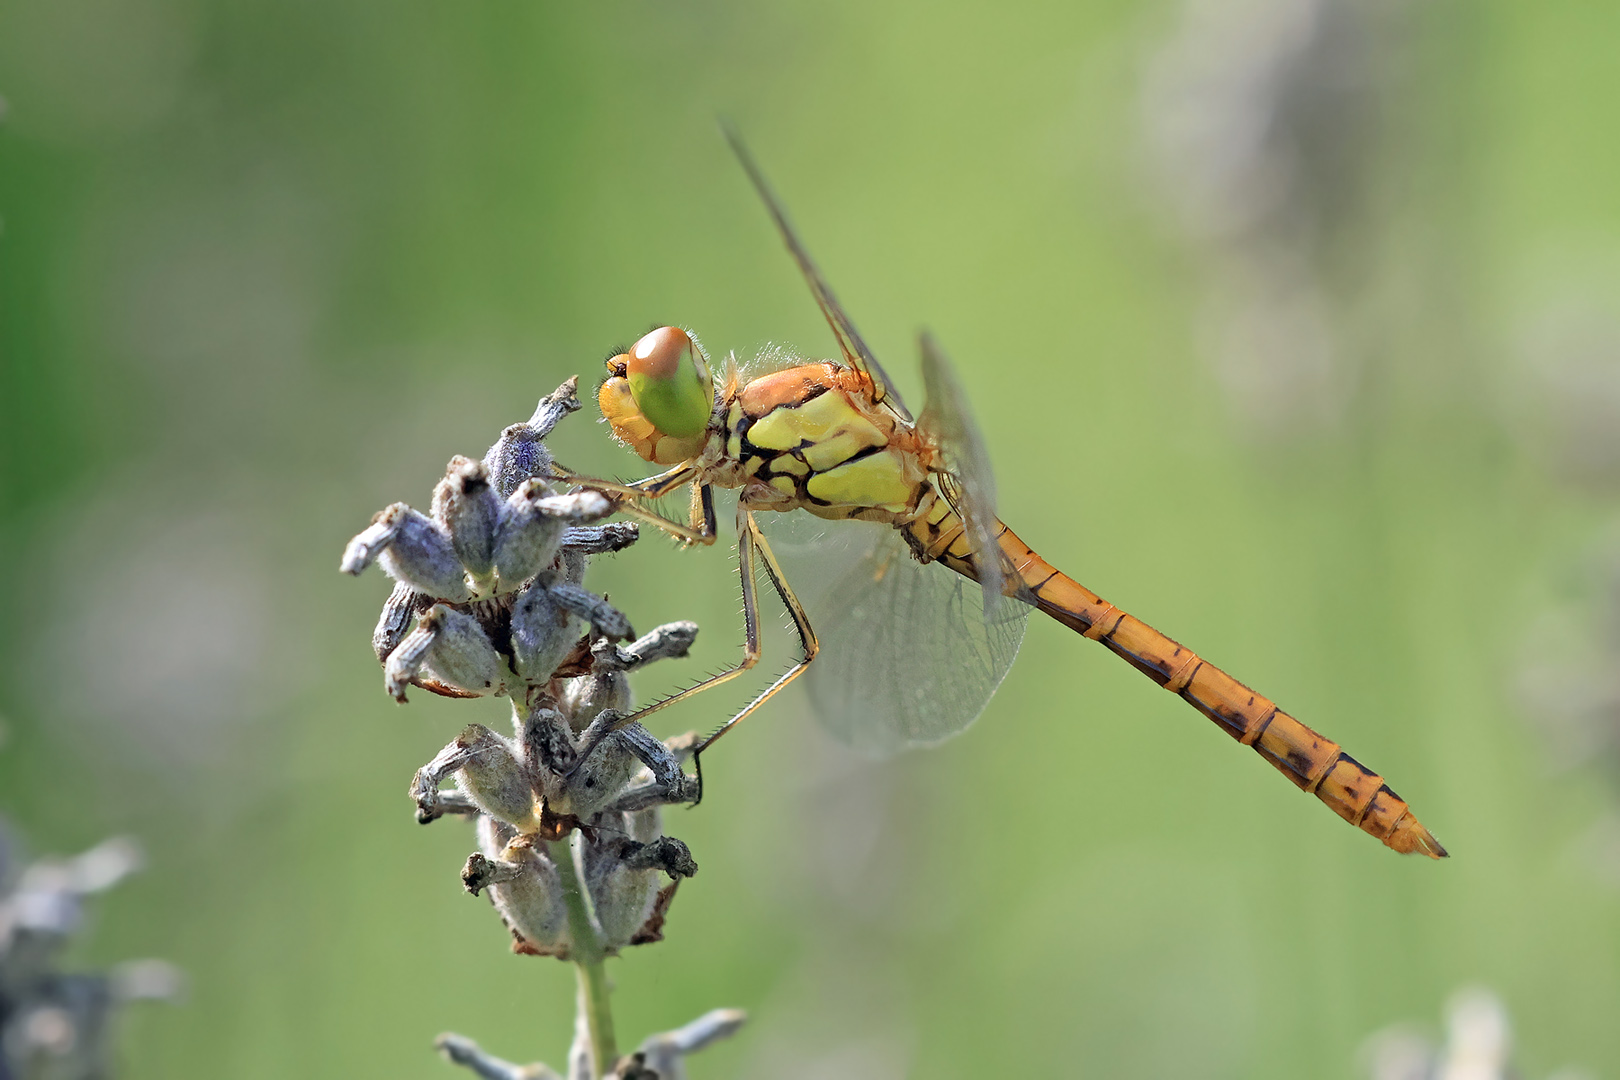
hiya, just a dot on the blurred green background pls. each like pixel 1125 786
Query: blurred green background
pixel 1290 326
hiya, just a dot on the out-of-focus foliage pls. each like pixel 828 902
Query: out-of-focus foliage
pixel 251 252
pixel 56 1023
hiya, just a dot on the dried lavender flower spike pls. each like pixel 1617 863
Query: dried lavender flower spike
pixel 55 1024
pixel 466 505
pixel 567 813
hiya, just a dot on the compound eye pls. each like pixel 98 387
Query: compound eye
pixel 670 381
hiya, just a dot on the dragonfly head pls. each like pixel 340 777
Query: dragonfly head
pixel 659 396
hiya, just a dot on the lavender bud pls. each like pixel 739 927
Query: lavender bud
pixel 585 698
pixel 453 647
pixel 469 510
pixel 530 900
pixel 488 772
pixel 623 896
pixel 527 538
pixel 519 453
pixel 411 549
pixel 601 776
pixel 543 631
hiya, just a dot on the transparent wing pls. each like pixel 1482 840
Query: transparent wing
pixel 856 353
pixel 908 657
pixel 970 485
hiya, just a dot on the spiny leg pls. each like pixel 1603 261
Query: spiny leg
pixel 747 536
pixel 703 527
pixel 701 530
pixel 801 623
pixel 652 487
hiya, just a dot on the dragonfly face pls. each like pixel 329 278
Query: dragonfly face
pixel 659 396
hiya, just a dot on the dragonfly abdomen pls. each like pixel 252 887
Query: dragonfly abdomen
pixel 1312 761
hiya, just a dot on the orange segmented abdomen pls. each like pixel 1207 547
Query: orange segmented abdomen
pixel 1311 760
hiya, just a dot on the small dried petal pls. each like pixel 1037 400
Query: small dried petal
pixel 665 853
pixel 405 662
pixel 147 980
pixel 578 506
pixel 460 1050
pixel 663 643
pixel 547 747
pixel 480 872
pixel 372 541
pixel 601 539
pixel 466 505
pixel 605 619
pixel 664 1052
pixel 400 612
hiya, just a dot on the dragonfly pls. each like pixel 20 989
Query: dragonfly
pixel 914 652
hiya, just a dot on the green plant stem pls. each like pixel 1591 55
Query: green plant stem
pixel 586 951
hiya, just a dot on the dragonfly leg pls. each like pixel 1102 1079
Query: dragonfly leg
pixel 703 528
pixel 749 528
pixel 653 487
pixel 752 548
pixel 747 538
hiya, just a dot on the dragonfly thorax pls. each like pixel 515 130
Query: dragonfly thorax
pixel 810 437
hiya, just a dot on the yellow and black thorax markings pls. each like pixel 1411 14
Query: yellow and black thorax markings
pixel 812 435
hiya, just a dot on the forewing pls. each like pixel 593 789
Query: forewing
pixel 908 656
pixel 970 484
pixel 855 350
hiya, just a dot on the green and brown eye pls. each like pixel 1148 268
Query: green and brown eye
pixel 670 382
